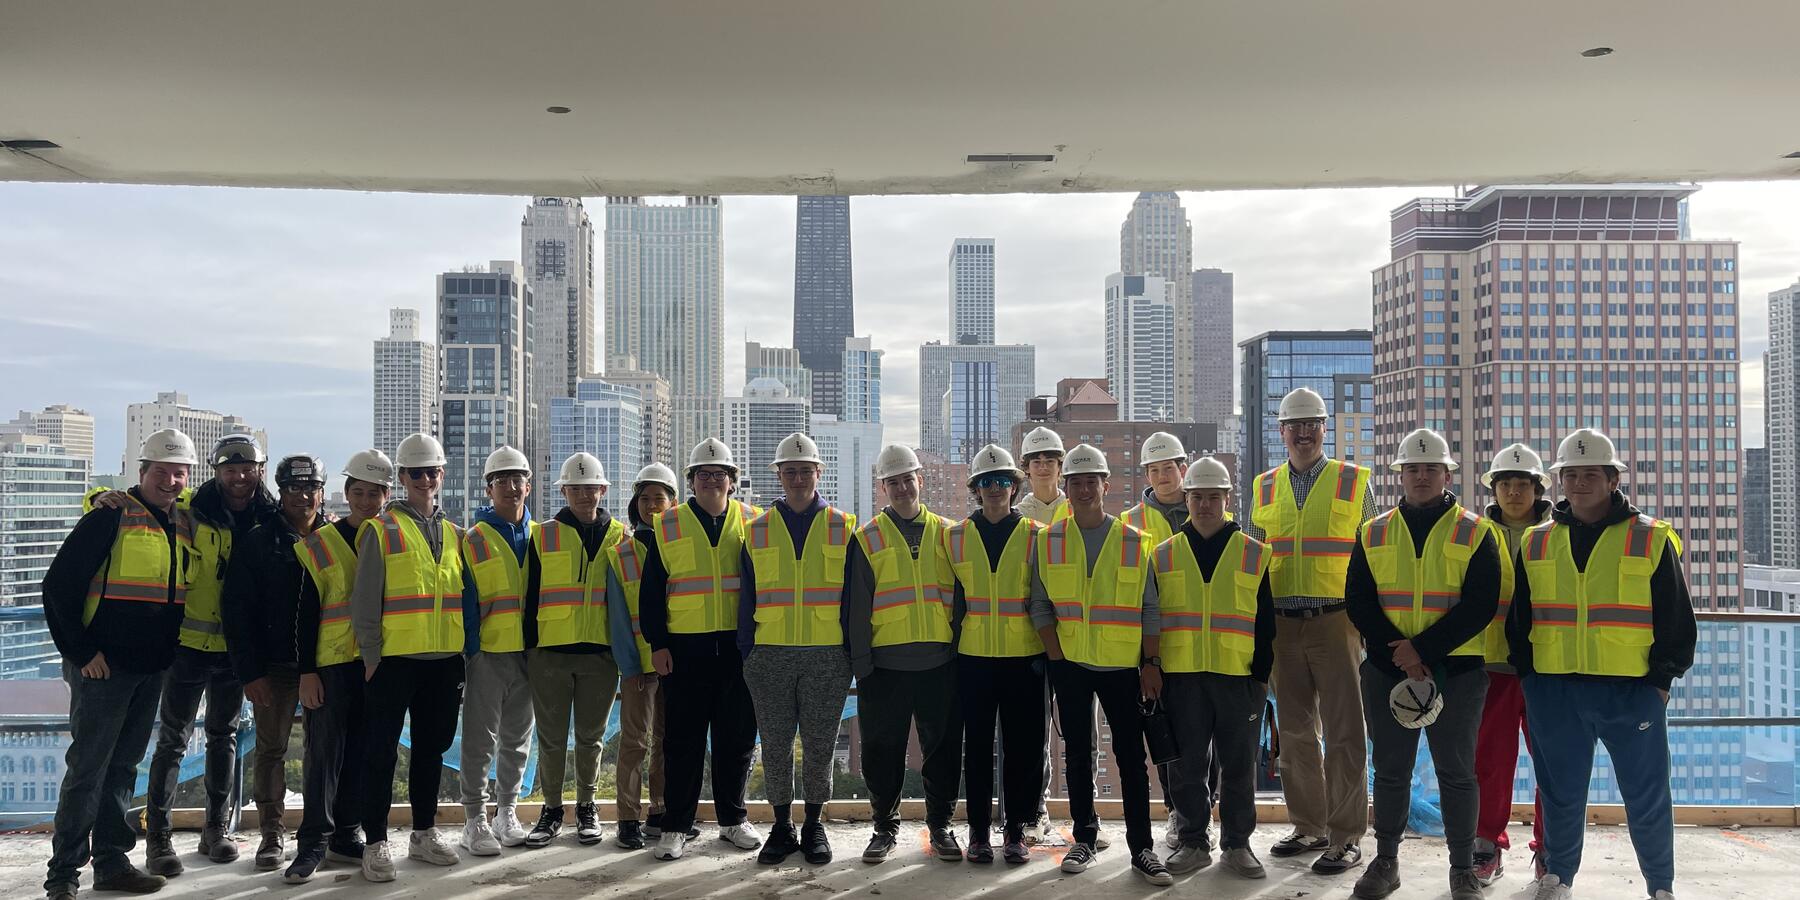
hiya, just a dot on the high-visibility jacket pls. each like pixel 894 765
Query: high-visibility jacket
pixel 331 562
pixel 500 578
pixel 421 597
pixel 1596 621
pixel 626 558
pixel 1099 617
pixel 1311 545
pixel 1209 625
pixel 1493 639
pixel 799 595
pixel 571 606
pixel 703 577
pixel 913 597
pixel 1150 521
pixel 996 621
pixel 139 568
pixel 201 627
pixel 1417 590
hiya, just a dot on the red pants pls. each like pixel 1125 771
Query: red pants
pixel 1496 756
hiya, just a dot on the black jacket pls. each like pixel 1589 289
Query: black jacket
pixel 262 599
pixel 1473 613
pixel 138 638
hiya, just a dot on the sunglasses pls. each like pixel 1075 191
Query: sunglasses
pixel 425 472
pixel 993 481
pixel 302 488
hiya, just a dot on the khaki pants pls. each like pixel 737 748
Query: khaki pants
pixel 274 726
pixel 1317 690
pixel 642 727
pixel 561 683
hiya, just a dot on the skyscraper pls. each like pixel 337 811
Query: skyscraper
pixel 406 382
pixel 1214 348
pixel 753 425
pixel 1157 239
pixel 557 255
pixel 971 407
pixel 604 419
pixel 62 425
pixel 41 486
pixel 664 303
pixel 659 417
pixel 1781 403
pixel 1276 362
pixel 1756 508
pixel 824 303
pixel 1140 353
pixel 862 381
pixel 847 478
pixel 170 409
pixel 780 363
pixel 1014 379
pixel 1523 313
pixel 972 291
pixel 485 344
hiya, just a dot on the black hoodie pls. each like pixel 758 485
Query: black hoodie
pixel 1671 611
pixel 1466 620
pixel 591 536
pixel 260 607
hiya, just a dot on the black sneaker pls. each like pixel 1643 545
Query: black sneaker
pixel 1013 850
pixel 1296 843
pixel 130 880
pixel 1339 860
pixel 631 835
pixel 944 845
pixel 780 843
pixel 549 825
pixel 1380 879
pixel 587 824
pixel 815 844
pixel 1150 867
pixel 1078 859
pixel 881 844
pixel 159 854
pixel 307 860
pixel 349 850
pixel 981 847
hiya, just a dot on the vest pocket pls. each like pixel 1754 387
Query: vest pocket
pixel 678 556
pixel 1634 580
pixel 1061 580
pixel 885 566
pixel 832 563
pixel 1384 563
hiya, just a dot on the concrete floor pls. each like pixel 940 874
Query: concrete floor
pixel 1713 864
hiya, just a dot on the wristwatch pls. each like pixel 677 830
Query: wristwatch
pixel 1153 661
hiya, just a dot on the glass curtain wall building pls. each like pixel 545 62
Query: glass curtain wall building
pixel 1276 362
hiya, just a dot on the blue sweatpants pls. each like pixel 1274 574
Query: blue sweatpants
pixel 1567 715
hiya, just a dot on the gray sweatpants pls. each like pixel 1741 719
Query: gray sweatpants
pixel 496 715
pixel 1222 715
pixel 798 688
pixel 1452 739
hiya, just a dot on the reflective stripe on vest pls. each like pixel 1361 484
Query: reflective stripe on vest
pixel 1493 639
pixel 500 579
pixel 995 621
pixel 912 596
pixel 626 557
pixel 331 562
pixel 1152 522
pixel 703 577
pixel 1311 545
pixel 1416 590
pixel 1209 625
pixel 421 599
pixel 799 594
pixel 1099 617
pixel 201 628
pixel 571 607
pixel 1597 621
pixel 140 567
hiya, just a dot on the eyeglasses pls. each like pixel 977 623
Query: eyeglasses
pixel 713 476
pixel 1304 424
pixel 993 481
pixel 425 472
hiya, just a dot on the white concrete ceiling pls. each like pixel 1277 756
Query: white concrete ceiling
pixel 861 97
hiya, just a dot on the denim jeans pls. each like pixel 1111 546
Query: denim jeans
pixel 109 722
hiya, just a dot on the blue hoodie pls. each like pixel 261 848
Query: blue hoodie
pixel 519 536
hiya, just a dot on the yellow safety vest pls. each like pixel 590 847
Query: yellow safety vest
pixel 139 568
pixel 996 621
pixel 798 600
pixel 1311 545
pixel 331 562
pixel 1150 521
pixel 1493 640
pixel 913 597
pixel 1417 590
pixel 571 605
pixel 201 627
pixel 1597 621
pixel 500 578
pixel 421 597
pixel 627 560
pixel 1099 617
pixel 1209 625
pixel 703 578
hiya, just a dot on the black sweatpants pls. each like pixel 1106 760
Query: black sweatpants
pixel 706 694
pixel 431 691
pixel 1011 690
pixel 890 702
pixel 336 747
pixel 1117 690
pixel 1218 725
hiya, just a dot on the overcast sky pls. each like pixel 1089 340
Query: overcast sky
pixel 263 303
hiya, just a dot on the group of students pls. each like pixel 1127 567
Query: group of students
pixel 715 622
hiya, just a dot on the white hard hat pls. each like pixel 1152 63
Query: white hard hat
pixel 418 451
pixel 506 459
pixel 169 445
pixel 372 466
pixel 1587 447
pixel 895 459
pixel 1302 403
pixel 1415 704
pixel 1423 446
pixel 1206 472
pixel 993 458
pixel 1040 440
pixel 582 468
pixel 657 473
pixel 796 447
pixel 711 452
pixel 1085 459
pixel 1516 458
pixel 1159 447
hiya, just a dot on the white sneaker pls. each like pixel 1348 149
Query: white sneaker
pixel 508 828
pixel 478 838
pixel 743 836
pixel 1035 830
pixel 378 862
pixel 1243 861
pixel 1551 887
pixel 430 846
pixel 1172 834
pixel 671 845
pixel 1100 841
pixel 1662 895
pixel 1188 859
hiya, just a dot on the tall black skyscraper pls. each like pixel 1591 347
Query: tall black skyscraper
pixel 824 310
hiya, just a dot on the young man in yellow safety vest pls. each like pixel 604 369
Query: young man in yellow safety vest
pixel 1423 586
pixel 688 598
pixel 496 708
pixel 1600 626
pixel 903 654
pixel 331 678
pixel 113 599
pixel 1094 604
pixel 1042 501
pixel 406 609
pixel 1307 510
pixel 569 630
pixel 1000 658
pixel 1217 646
